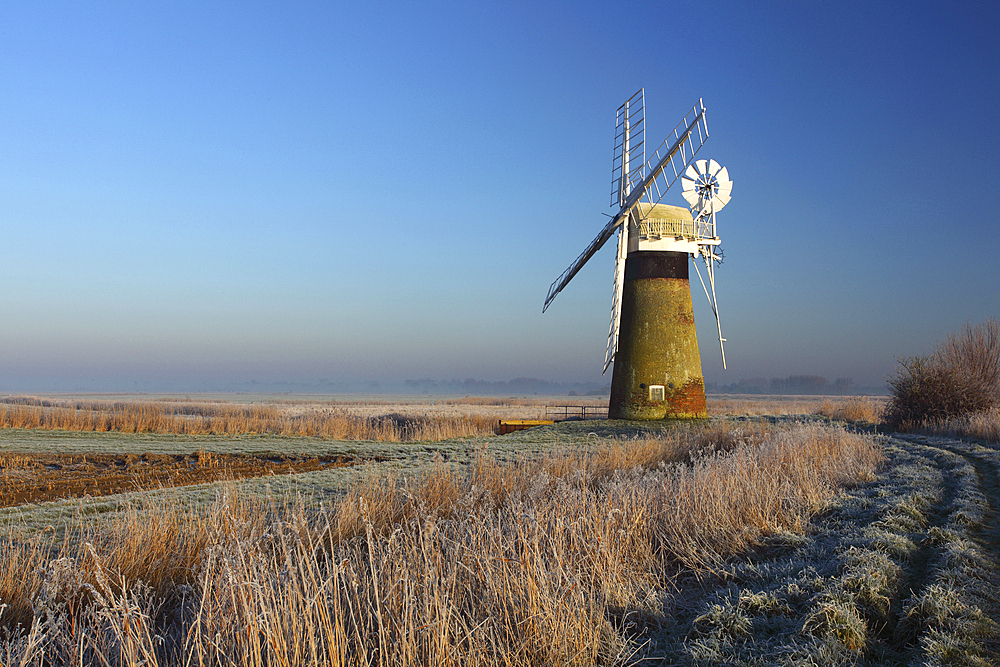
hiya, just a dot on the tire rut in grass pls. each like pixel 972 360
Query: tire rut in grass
pixel 897 638
pixel 989 473
pixel 879 579
pixel 887 562
pixel 952 612
pixel 987 467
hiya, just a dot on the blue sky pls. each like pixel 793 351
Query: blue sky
pixel 196 193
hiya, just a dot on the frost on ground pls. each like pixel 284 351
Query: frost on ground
pixel 900 571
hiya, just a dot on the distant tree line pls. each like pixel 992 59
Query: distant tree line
pixel 793 384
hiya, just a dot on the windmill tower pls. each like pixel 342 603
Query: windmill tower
pixel 652 339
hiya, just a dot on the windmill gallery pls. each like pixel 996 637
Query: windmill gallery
pixel 652 340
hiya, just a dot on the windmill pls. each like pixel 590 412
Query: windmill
pixel 652 339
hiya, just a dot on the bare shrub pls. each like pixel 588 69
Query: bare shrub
pixel 924 390
pixel 974 355
pixel 961 378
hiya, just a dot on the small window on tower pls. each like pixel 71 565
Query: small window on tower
pixel 656 393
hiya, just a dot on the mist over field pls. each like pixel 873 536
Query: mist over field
pixel 524 386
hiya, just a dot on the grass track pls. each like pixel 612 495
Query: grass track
pixel 972 512
pixel 901 571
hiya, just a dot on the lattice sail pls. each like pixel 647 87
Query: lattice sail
pixel 630 148
pixel 616 298
pixel 674 155
pixel 657 175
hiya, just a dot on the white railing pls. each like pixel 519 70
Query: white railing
pixel 654 228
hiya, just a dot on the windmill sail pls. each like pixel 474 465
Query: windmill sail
pixel 630 148
pixel 616 299
pixel 661 173
pixel 677 154
pixel 595 245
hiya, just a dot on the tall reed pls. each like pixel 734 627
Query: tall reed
pixel 229 419
pixel 535 562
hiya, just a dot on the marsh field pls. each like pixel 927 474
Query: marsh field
pixel 264 530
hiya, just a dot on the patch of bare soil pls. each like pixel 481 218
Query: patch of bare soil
pixel 35 478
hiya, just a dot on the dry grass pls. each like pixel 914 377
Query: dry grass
pixel 388 421
pixel 727 405
pixel 518 401
pixel 527 563
pixel 854 409
pixel 416 419
pixel 982 426
pixel 219 418
pixel 844 408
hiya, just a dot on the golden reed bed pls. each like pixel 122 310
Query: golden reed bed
pixel 529 563
pixel 367 420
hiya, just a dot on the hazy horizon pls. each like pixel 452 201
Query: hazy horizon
pixel 523 386
pixel 193 195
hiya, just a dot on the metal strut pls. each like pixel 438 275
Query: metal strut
pixel 709 256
